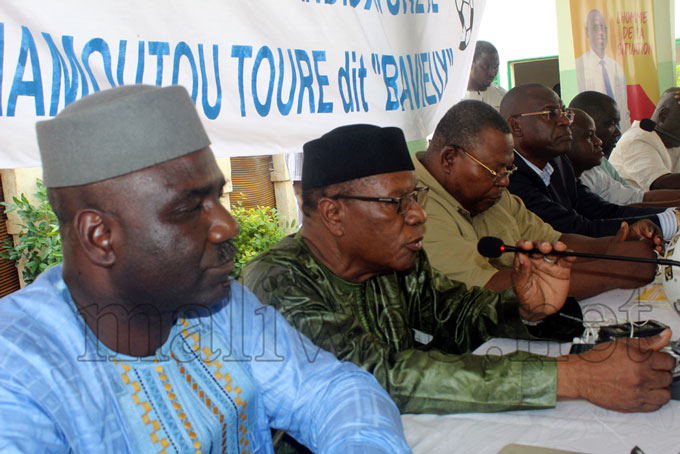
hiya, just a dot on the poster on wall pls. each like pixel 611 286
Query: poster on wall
pixel 615 50
pixel 266 76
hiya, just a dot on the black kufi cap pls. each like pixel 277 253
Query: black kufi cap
pixel 354 151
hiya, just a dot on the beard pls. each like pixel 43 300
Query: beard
pixel 226 251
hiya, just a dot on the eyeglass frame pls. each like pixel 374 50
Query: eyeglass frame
pixel 569 114
pixel 418 193
pixel 497 176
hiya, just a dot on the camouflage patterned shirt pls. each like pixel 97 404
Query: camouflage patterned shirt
pixel 414 331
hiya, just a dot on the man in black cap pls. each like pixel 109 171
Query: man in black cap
pixel 139 342
pixel 357 282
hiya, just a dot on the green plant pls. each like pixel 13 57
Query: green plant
pixel 38 242
pixel 260 229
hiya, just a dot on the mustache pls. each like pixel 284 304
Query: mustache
pixel 226 251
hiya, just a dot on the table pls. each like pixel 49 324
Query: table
pixel 572 425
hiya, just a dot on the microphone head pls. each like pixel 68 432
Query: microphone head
pixel 490 246
pixel 648 124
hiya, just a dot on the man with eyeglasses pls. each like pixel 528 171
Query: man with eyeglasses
pixel 357 282
pixel 545 181
pixel 595 70
pixel 467 167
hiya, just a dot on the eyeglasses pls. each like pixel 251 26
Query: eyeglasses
pixel 404 203
pixel 551 114
pixel 497 176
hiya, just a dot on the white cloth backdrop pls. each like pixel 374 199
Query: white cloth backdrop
pixel 266 75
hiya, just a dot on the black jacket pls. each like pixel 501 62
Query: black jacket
pixel 568 205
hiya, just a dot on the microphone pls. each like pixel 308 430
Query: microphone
pixel 650 125
pixel 492 247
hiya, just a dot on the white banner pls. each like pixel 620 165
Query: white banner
pixel 266 75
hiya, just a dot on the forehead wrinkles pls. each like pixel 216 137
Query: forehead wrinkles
pixel 537 100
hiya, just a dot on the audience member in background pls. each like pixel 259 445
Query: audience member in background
pixel 651 160
pixel 139 342
pixel 467 167
pixel 545 180
pixel 356 280
pixel 595 70
pixel 605 112
pixel 586 154
pixel 482 74
pixel 294 165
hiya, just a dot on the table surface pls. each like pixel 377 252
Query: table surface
pixel 572 425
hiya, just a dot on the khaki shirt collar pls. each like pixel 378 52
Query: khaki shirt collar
pixel 436 189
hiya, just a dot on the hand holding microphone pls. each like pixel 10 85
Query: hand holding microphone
pixel 493 247
pixel 540 282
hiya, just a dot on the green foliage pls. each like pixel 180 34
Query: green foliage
pixel 39 241
pixel 40 244
pixel 260 229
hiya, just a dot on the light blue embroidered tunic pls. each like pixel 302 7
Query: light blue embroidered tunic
pixel 216 386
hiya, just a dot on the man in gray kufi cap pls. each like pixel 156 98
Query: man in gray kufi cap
pixel 140 342
pixel 115 132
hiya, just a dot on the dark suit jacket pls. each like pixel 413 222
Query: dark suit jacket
pixel 568 205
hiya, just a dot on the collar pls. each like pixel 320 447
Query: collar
pixel 436 189
pixel 544 174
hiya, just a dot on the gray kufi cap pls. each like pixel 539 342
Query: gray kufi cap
pixel 118 131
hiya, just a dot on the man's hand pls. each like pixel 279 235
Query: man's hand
pixel 541 283
pixel 644 230
pixel 639 274
pixel 624 375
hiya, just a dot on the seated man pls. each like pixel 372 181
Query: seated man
pixel 651 160
pixel 467 202
pixel 545 180
pixel 139 343
pixel 356 280
pixel 586 154
pixel 603 179
pixel 482 74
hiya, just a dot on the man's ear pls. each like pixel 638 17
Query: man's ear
pixel 95 231
pixel 515 127
pixel 447 156
pixel 663 115
pixel 332 214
